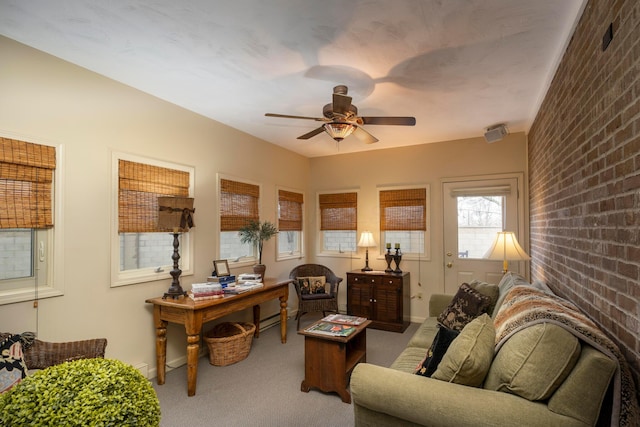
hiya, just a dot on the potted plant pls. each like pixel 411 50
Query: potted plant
pixel 256 233
pixel 96 392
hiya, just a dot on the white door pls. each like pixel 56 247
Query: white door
pixel 474 211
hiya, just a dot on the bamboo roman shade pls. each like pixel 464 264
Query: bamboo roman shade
pixel 139 186
pixel 26 184
pixel 290 210
pixel 238 204
pixel 338 211
pixel 403 210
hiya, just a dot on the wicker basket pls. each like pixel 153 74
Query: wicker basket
pixel 229 342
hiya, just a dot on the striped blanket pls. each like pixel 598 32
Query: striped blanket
pixel 524 306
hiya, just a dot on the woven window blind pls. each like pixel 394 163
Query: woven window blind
pixel 26 184
pixel 139 186
pixel 338 211
pixel 238 204
pixel 403 210
pixel 290 204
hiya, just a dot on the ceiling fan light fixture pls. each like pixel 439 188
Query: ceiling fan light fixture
pixel 339 130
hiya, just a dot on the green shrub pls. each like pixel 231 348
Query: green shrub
pixel 88 392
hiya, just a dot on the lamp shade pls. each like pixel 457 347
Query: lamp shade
pixel 366 240
pixel 506 248
pixel 339 130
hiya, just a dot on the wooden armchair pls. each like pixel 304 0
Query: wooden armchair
pixel 42 354
pixel 327 302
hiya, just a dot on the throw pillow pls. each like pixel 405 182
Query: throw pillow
pixel 489 289
pixel 312 285
pixel 444 337
pixel 469 356
pixel 466 305
pixel 534 362
pixel 12 366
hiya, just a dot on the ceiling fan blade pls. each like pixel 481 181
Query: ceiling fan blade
pixel 286 116
pixel 312 133
pixel 364 136
pixel 400 121
pixel 341 104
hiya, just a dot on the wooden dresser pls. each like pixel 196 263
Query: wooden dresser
pixel 380 297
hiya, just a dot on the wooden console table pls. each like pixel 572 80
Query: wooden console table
pixel 193 314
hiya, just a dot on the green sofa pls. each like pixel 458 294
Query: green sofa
pixel 396 396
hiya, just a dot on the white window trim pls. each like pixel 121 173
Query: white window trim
pixel 248 261
pixel 301 254
pixel 131 277
pixel 426 256
pixel 53 283
pixel 335 254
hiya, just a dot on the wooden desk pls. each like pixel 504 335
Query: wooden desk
pixel 193 314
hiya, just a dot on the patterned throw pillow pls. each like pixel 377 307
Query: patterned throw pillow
pixel 312 285
pixel 467 304
pixel 12 366
pixel 444 337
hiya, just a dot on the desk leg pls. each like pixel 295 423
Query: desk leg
pixel 193 348
pixel 256 320
pixel 161 345
pixel 283 318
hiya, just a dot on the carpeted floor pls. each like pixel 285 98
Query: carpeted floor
pixel 264 389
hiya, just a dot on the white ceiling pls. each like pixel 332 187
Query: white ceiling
pixel 457 66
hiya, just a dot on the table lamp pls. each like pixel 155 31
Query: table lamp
pixel 175 214
pixel 367 241
pixel 506 248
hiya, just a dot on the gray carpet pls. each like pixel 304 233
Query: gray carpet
pixel 264 389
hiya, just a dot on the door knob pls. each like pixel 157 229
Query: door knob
pixel 449 264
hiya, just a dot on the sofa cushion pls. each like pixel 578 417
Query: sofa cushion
pixel 442 341
pixel 469 356
pixel 534 362
pixel 489 289
pixel 466 305
pixel 408 360
pixel 425 334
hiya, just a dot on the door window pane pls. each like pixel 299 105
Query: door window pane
pixel 479 219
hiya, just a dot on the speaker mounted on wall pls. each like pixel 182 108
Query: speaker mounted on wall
pixel 495 133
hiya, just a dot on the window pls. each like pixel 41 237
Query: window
pixel 27 174
pixel 338 222
pixel 141 251
pixel 290 211
pixel 403 219
pixel 239 203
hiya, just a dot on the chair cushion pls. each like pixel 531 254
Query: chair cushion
pixel 534 362
pixel 12 366
pixel 315 296
pixel 312 284
pixel 466 305
pixel 469 356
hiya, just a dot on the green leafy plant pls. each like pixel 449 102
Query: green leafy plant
pixel 95 392
pixel 256 233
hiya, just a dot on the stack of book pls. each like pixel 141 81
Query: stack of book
pixel 240 288
pixel 223 281
pixel 205 291
pixel 249 278
pixel 337 325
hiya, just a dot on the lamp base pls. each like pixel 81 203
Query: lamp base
pixel 366 265
pixel 175 291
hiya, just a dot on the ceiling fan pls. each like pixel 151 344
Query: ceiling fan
pixel 341 119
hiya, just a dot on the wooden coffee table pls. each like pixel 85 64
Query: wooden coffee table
pixel 329 360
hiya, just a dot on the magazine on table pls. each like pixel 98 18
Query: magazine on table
pixel 333 329
pixel 345 319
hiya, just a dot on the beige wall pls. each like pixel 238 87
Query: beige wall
pixel 46 100
pixel 423 164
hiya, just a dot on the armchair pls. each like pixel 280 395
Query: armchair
pixel 327 302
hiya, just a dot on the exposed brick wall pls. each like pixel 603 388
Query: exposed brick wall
pixel 584 170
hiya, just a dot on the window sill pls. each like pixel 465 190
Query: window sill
pixel 22 295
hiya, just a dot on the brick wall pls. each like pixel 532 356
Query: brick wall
pixel 584 169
